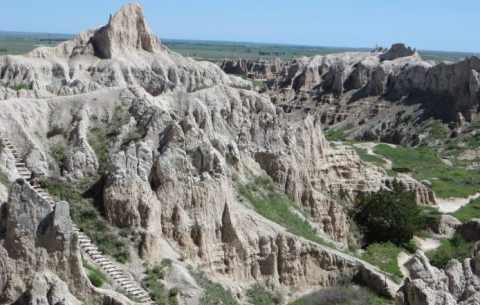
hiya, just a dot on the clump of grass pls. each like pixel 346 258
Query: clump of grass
pixel 153 282
pixel 55 131
pixel 454 248
pixel 468 212
pixel 384 256
pixel 57 152
pixel 213 293
pixel 19 87
pixel 274 205
pixel 338 134
pixel 89 220
pixel 258 295
pixel 134 136
pixel 347 295
pixel 96 276
pixel 100 137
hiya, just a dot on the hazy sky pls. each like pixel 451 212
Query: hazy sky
pixel 425 24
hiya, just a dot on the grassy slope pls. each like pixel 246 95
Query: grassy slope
pixel 425 164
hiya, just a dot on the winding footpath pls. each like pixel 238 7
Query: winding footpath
pixel 106 264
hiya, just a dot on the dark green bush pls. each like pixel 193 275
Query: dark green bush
pixel 55 131
pixel 390 216
pixel 454 248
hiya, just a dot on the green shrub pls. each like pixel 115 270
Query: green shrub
pixel 384 256
pixel 258 295
pixel 454 248
pixel 214 293
pixel 55 131
pixel 58 154
pixel 352 295
pixel 96 276
pixel 19 87
pixel 390 216
pixel 134 136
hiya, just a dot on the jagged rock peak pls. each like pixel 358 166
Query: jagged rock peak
pixel 126 30
pixel 398 50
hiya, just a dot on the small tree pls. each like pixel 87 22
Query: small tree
pixel 390 215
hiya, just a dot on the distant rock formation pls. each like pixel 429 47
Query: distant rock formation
pixel 398 50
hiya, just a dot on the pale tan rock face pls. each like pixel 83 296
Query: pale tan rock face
pixel 36 238
pixel 458 284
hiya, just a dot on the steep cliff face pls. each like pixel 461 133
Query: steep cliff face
pixel 40 258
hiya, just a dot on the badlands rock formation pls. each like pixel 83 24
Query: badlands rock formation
pixel 458 284
pixel 168 142
pixel 386 94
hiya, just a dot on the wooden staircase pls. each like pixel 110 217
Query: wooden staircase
pixel 105 263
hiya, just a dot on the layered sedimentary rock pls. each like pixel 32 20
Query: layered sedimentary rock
pixel 384 93
pixel 257 68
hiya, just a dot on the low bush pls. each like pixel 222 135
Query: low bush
pixel 95 275
pixel 58 154
pixel 214 293
pixel 153 283
pixel 390 216
pixel 134 136
pixel 454 248
pixel 384 256
pixel 55 131
pixel 19 87
pixel 352 295
pixel 258 295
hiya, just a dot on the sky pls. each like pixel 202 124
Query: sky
pixel 447 25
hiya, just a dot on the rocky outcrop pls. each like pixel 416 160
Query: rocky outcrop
pixel 34 239
pixel 398 50
pixel 124 52
pixel 470 230
pixel 255 68
pixel 458 284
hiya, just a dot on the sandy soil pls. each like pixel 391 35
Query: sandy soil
pixel 450 205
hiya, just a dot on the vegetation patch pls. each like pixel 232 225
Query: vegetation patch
pixel 425 164
pixel 384 256
pixel 338 134
pixel 57 152
pixel 55 131
pixel 345 295
pixel 89 220
pixel 363 154
pixel 153 282
pixel 390 216
pixel 19 87
pixel 275 206
pixel 259 295
pixel 214 293
pixel 96 276
pixel 133 136
pixel 468 212
pixel 454 248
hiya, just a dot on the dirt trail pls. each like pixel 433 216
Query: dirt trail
pixel 424 244
pixel 450 205
pixel 369 146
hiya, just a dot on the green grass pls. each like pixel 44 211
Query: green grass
pixel 455 247
pixel 468 212
pixel 96 276
pixel 153 282
pixel 20 87
pixel 89 220
pixel 133 136
pixel 425 164
pixel 385 257
pixel 214 293
pixel 345 295
pixel 362 153
pixel 101 135
pixel 338 134
pixel 275 206
pixel 57 152
pixel 259 295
